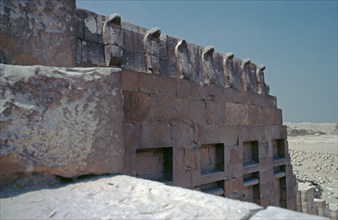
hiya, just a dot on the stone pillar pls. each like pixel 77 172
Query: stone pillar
pixel 320 204
pixel 307 198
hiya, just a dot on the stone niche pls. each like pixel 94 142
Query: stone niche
pixel 252 187
pixel 250 151
pixel 280 186
pixel 214 188
pixel 278 146
pixel 212 158
pixel 155 164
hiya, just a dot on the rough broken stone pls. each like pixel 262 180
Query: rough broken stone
pixel 112 198
pixel 58 120
pixel 38 32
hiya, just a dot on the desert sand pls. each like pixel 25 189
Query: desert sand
pixel 313 150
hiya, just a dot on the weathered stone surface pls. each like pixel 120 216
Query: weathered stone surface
pixel 60 121
pixel 279 213
pixel 38 32
pixel 136 106
pixel 237 114
pixel 112 198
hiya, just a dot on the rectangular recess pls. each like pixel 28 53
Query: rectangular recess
pixel 251 179
pixel 251 183
pixel 215 188
pixel 212 158
pixel 155 164
pixel 278 147
pixel 279 171
pixel 250 153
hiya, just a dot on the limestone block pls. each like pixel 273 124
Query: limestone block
pixel 183 135
pixel 197 91
pixel 92 25
pixel 183 88
pixel 306 192
pixel 132 137
pixel 181 173
pixel 147 83
pixel 132 41
pixel 195 112
pixel 166 109
pixel 278 117
pixel 256 115
pixel 130 164
pixel 166 86
pixel 92 54
pixel 140 63
pixel 214 93
pixel 215 112
pixel 168 68
pixel 228 135
pixel 236 114
pixel 232 185
pixel 266 189
pixel 236 171
pixel 266 177
pixel 208 134
pixel 320 204
pixel 156 135
pixel 136 106
pixel 61 121
pixel 130 81
pixel 236 155
pixel 128 60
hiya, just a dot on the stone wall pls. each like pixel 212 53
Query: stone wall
pixel 220 140
pixel 175 112
pixel 108 41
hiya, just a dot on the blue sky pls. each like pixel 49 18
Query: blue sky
pixel 296 40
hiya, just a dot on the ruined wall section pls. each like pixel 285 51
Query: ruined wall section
pixel 150 51
pixel 38 32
